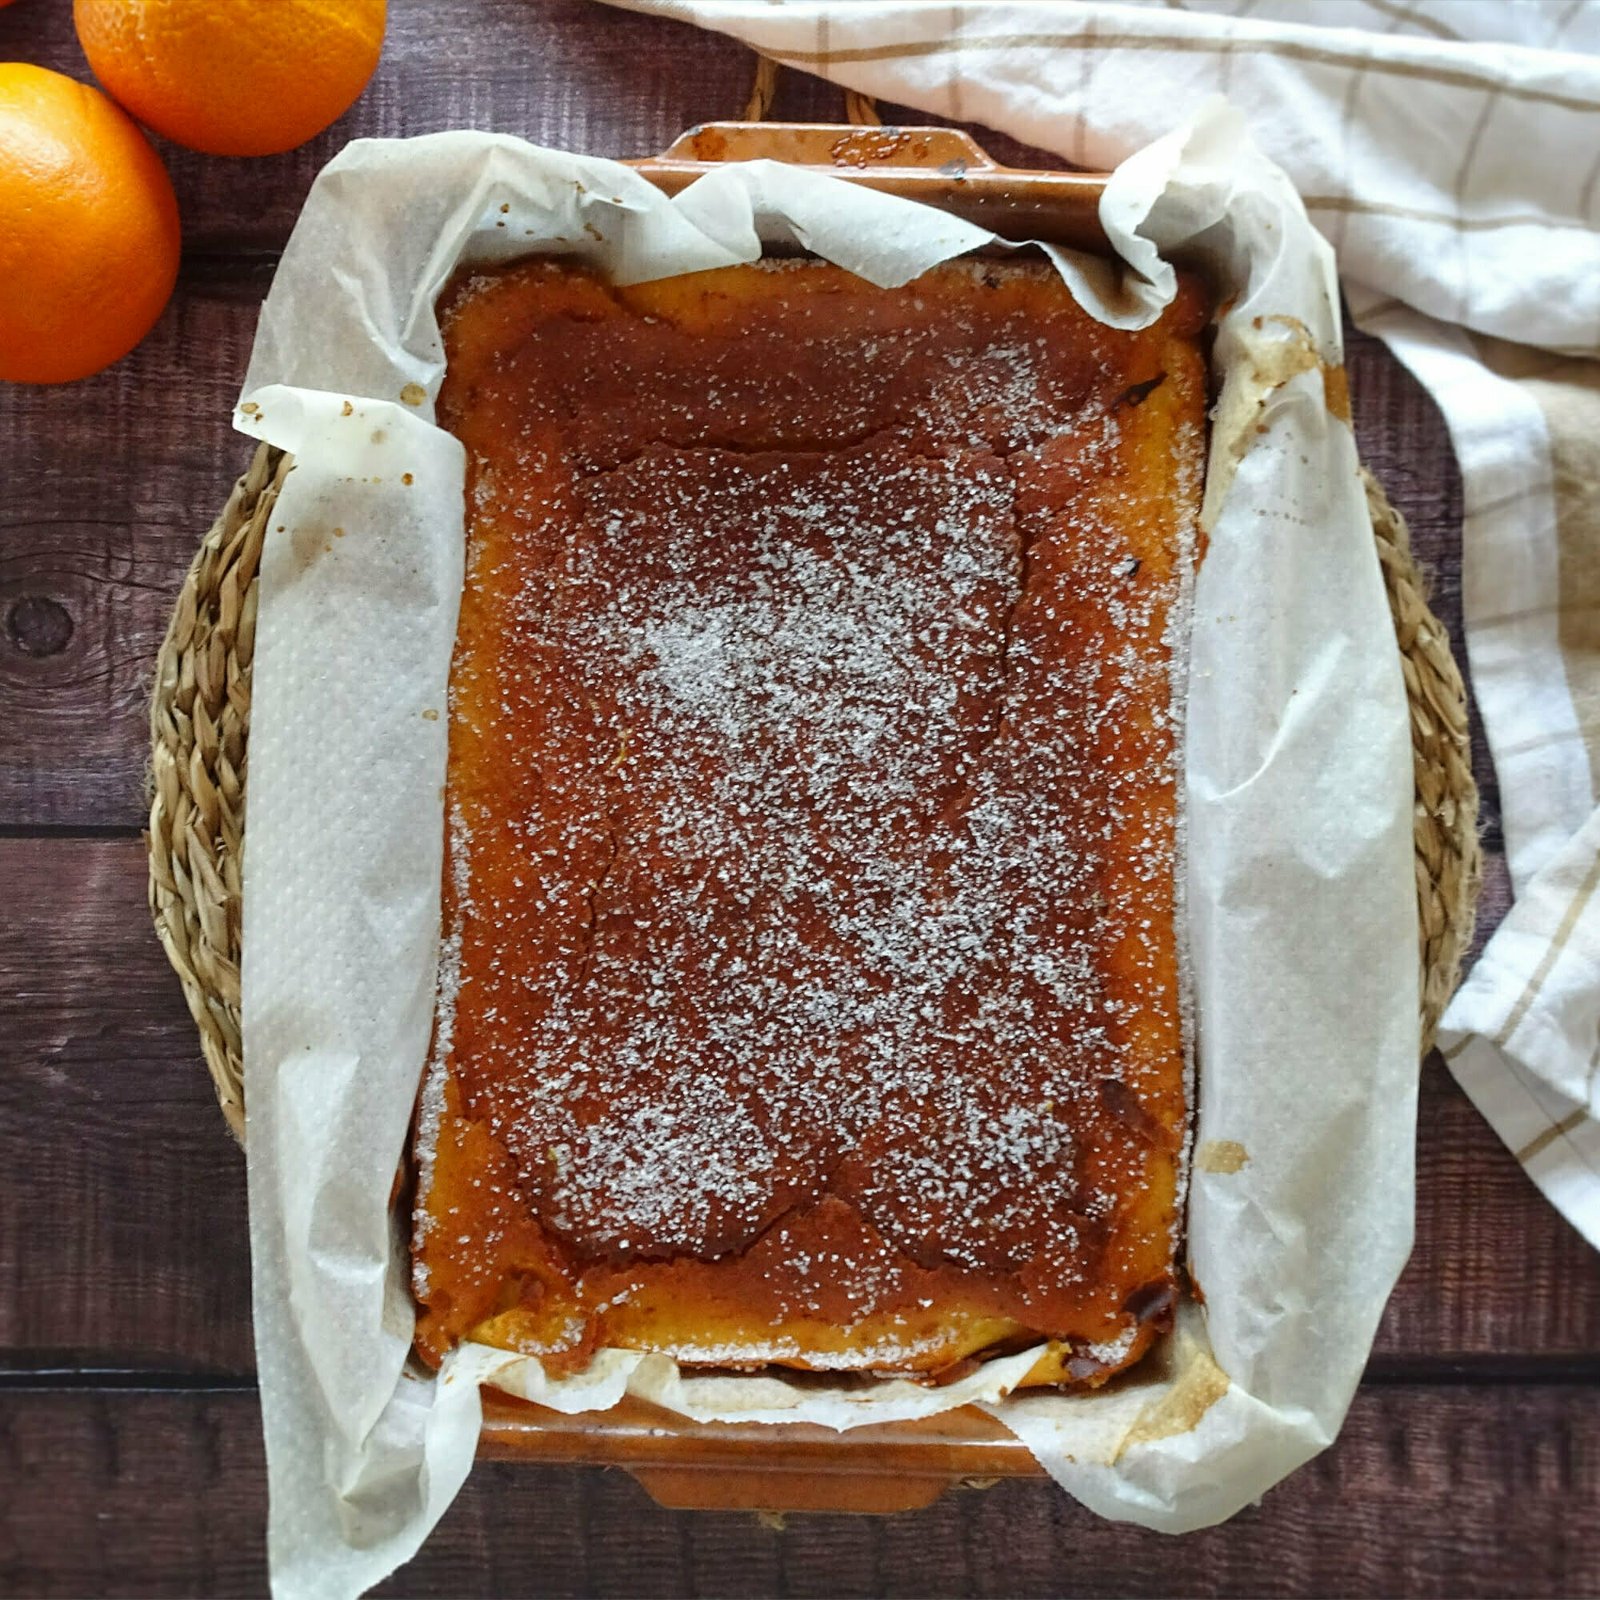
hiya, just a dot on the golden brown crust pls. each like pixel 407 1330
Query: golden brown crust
pixel 814 992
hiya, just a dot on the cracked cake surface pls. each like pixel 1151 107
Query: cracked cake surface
pixel 810 990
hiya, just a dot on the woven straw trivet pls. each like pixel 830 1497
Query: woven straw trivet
pixel 200 723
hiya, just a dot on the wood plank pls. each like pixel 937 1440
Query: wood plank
pixel 86 583
pixel 111 483
pixel 122 1215
pixel 122 1230
pixel 557 72
pixel 1450 1491
pixel 122 1237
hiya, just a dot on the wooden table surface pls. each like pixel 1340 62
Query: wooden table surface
pixel 129 1432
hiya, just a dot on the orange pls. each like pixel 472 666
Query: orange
pixel 89 246
pixel 233 77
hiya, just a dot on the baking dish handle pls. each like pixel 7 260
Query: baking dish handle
pixel 943 167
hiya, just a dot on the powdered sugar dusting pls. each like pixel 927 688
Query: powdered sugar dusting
pixel 832 809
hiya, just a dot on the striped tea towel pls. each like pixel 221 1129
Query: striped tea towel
pixel 1450 150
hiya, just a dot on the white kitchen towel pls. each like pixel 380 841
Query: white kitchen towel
pixel 1450 150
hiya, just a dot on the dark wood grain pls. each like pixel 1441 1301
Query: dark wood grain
pixel 122 1233
pixel 105 491
pixel 560 72
pixel 162 1493
pixel 109 485
pixel 122 1217
pixel 123 1245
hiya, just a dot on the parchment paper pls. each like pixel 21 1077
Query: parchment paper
pixel 1301 918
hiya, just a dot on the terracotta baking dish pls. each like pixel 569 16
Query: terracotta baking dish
pixel 802 1467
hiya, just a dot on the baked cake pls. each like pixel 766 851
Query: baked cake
pixel 810 992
